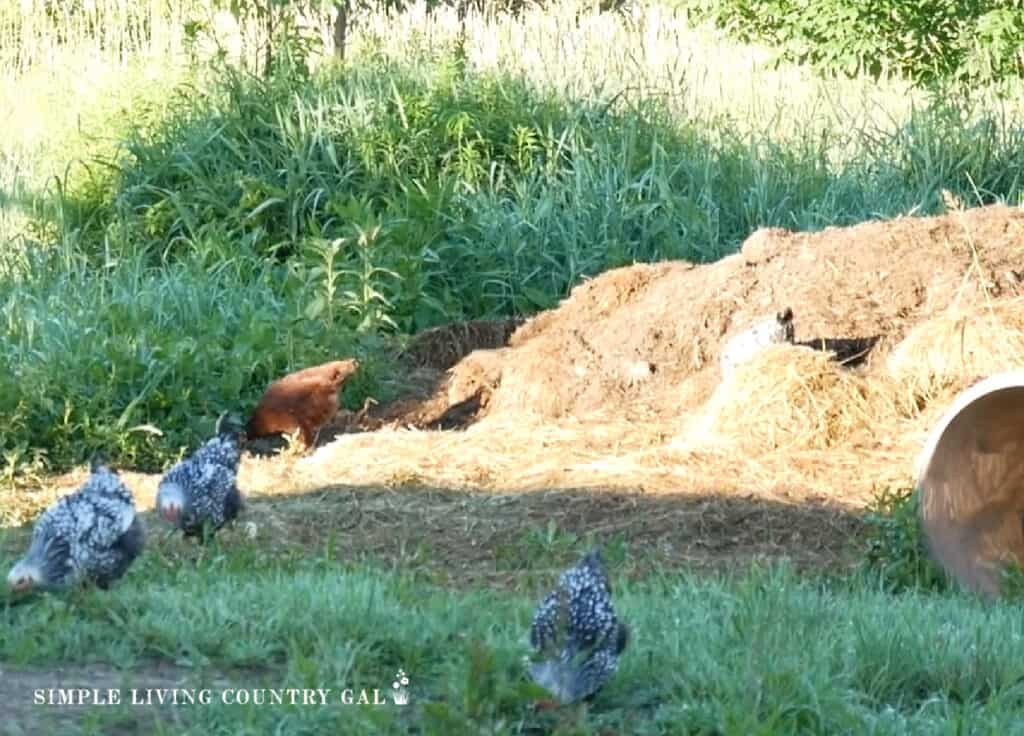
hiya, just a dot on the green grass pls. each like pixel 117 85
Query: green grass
pixel 763 652
pixel 166 350
pixel 368 204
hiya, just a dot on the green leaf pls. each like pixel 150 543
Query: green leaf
pixel 316 307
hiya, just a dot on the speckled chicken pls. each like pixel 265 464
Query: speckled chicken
pixel 576 634
pixel 743 347
pixel 92 535
pixel 302 401
pixel 202 489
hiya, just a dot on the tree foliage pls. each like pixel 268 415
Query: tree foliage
pixel 926 40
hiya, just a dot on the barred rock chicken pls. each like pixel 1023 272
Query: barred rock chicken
pixel 577 634
pixel 202 489
pixel 744 346
pixel 303 401
pixel 92 534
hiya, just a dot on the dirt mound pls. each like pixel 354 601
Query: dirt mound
pixel 620 388
pixel 609 416
pixel 645 340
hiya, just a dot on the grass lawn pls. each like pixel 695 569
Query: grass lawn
pixel 763 651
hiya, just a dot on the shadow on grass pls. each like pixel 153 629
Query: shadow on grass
pixel 311 583
pixel 468 538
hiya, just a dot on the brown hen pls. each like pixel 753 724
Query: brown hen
pixel 303 401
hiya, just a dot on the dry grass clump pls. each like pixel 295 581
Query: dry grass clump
pixel 479 372
pixel 495 454
pixel 22 505
pixel 786 398
pixel 789 401
pixel 954 348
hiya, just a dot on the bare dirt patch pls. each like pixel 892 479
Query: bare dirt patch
pixel 442 347
pixel 467 538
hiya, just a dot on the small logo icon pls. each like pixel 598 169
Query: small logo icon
pixel 400 691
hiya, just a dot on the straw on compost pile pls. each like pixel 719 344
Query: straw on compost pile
pixel 963 343
pixel 792 424
pixel 787 398
pixel 845 285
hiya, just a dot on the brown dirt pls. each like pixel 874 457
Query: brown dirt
pixel 848 287
pixel 620 387
pixel 442 347
pixel 609 414
pixel 467 538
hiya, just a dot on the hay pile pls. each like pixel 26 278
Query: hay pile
pixel 846 286
pixel 786 398
pixel 798 398
pixel 792 422
pixel 965 342
pixel 619 386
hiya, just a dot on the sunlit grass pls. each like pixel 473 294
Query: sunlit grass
pixel 758 653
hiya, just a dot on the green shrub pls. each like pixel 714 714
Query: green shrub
pixel 456 195
pixel 923 39
pixel 379 162
pixel 139 361
pixel 894 545
pixel 447 195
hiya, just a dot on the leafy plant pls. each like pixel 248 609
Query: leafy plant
pixel 926 40
pixel 894 543
pixel 323 280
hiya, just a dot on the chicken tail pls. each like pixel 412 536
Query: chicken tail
pixel 229 426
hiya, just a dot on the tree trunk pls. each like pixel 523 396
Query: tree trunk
pixel 341 30
pixel 269 58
